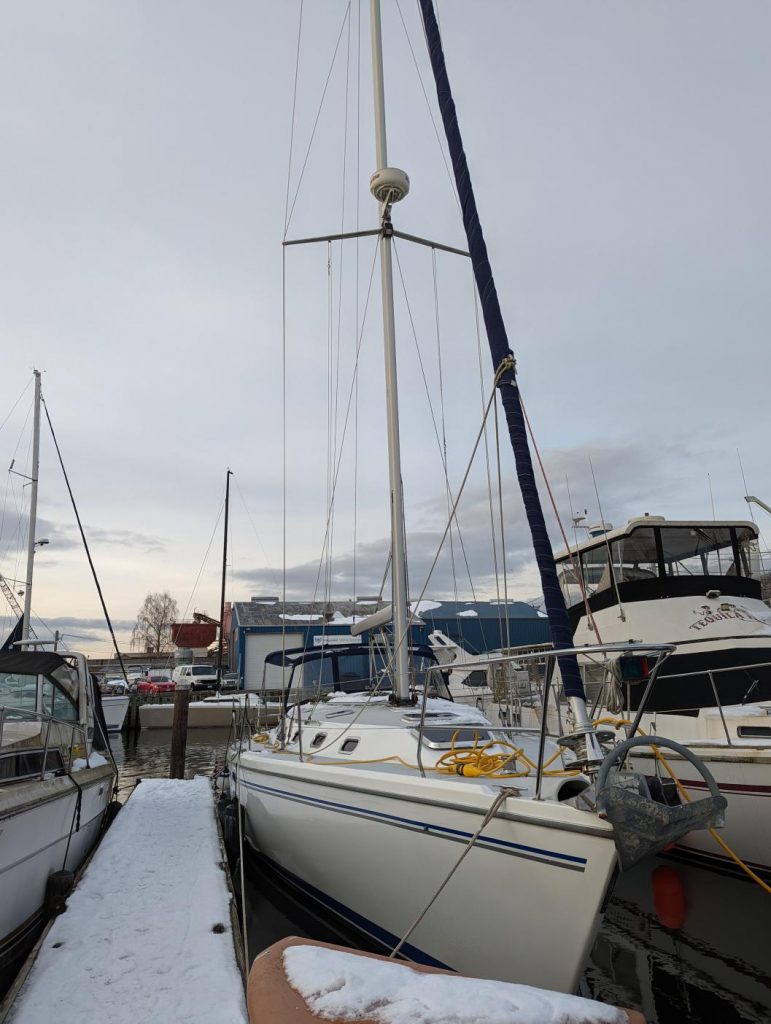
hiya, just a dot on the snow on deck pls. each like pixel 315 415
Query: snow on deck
pixel 138 942
pixel 344 987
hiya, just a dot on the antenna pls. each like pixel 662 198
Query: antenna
pixel 621 613
pixel 711 495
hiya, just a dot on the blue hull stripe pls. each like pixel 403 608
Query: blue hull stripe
pixel 565 859
pixel 361 924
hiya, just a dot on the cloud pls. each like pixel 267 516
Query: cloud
pixel 629 475
pixel 64 537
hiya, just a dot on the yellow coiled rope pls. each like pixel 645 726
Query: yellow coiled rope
pixel 470 763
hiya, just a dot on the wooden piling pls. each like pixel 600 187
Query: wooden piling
pixel 179 732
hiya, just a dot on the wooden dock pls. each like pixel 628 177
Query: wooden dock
pixel 147 934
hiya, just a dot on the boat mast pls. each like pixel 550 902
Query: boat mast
pixel 32 510
pixel 389 185
pixel 224 566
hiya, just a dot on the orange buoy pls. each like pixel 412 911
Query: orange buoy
pixel 669 896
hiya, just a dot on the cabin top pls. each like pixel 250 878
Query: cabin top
pixel 717 528
pixel 661 557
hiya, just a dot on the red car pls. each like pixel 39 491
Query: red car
pixel 156 682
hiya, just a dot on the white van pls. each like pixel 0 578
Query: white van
pixel 198 677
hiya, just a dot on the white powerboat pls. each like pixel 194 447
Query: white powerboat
pixel 473 680
pixel 55 787
pixel 689 583
pixel 114 708
pixel 215 712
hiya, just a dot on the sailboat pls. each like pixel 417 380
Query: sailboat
pixel 438 835
pixel 55 785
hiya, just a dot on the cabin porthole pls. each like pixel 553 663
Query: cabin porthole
pixel 348 746
pixel 318 739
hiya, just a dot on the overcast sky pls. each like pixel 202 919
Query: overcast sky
pixel 621 159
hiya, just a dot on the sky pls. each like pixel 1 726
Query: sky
pixel 155 155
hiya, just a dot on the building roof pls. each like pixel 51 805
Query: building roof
pixel 340 613
pixel 298 613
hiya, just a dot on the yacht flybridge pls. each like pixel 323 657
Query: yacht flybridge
pixel 690 583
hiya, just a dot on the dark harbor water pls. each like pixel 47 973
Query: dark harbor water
pixel 713 969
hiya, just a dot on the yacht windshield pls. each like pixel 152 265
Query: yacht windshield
pixel 360 671
pixel 649 553
pixel 18 691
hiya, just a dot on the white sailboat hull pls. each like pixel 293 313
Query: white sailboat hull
pixel 373 848
pixel 37 819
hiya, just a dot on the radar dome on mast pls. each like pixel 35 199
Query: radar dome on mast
pixel 389 185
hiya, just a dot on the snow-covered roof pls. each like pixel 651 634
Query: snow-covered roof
pixel 341 613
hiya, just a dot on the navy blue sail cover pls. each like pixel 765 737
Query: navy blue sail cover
pixel 559 622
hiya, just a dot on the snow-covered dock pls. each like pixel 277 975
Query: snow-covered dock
pixel 147 933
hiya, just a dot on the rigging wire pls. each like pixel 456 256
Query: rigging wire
pixel 487 453
pixel 283 467
pixel 346 15
pixel 203 563
pixel 85 544
pixel 577 572
pixel 503 537
pixel 444 428
pixel 356 308
pixel 330 452
pixel 611 567
pixel 294 111
pixel 8 487
pixel 752 514
pixel 442 449
pixel 256 534
pixel 428 107
pixel 25 389
pixel 347 413
pixel 335 391
pixel 502 369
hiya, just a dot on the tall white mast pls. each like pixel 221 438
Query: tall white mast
pixel 32 510
pixel 389 185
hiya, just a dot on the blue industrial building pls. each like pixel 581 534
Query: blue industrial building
pixel 263 625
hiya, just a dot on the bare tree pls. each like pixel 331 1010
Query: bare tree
pixel 152 632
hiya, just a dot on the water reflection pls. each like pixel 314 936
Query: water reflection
pixel 715 967
pixel 145 755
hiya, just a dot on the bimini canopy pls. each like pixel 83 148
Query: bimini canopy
pixel 40 663
pixel 302 655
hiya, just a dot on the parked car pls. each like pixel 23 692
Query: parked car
pixel 230 681
pixel 198 677
pixel 114 684
pixel 162 682
pixel 134 676
pixel 156 682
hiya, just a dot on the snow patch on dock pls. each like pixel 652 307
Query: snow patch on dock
pixel 146 935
